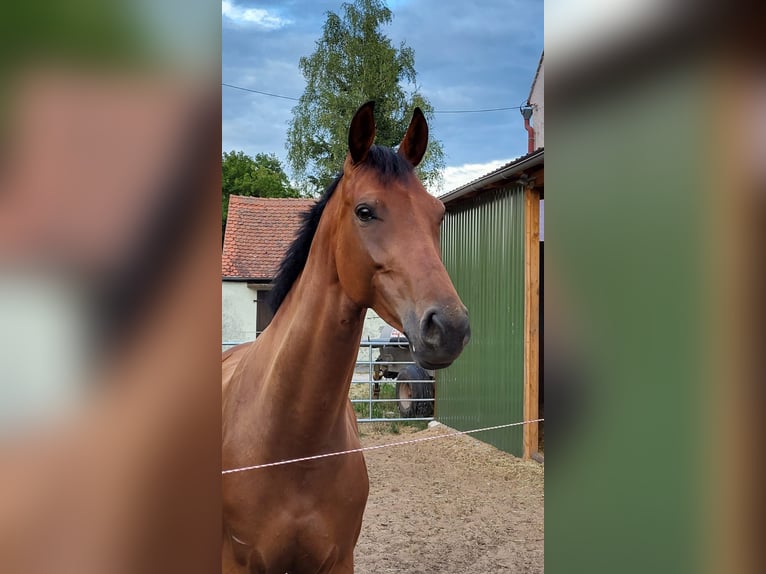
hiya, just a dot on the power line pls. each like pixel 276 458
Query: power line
pixel 258 92
pixel 435 111
pixel 476 111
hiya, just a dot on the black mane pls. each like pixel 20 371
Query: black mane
pixel 387 163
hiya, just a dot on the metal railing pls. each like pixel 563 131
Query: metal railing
pixel 365 374
pixel 226 345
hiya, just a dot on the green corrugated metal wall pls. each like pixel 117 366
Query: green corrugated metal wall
pixel 483 250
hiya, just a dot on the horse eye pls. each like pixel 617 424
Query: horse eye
pixel 364 213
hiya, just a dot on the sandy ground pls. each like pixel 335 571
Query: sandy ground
pixel 449 506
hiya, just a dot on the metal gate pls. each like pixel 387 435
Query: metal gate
pixel 380 391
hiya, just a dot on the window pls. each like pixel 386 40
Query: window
pixel 263 313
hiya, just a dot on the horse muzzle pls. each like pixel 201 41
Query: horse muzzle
pixel 439 336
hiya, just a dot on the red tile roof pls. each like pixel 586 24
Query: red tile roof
pixel 258 232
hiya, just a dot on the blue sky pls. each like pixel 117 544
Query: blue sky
pixel 468 56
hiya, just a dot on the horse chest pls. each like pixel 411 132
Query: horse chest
pixel 303 522
pixel 319 493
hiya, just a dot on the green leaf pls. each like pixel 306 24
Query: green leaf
pixel 262 176
pixel 354 62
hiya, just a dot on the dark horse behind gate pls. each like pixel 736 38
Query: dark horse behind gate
pixel 371 241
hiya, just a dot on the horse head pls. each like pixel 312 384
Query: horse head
pixel 387 242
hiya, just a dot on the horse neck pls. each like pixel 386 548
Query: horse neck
pixel 316 336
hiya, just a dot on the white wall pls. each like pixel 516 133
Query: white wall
pixel 373 325
pixel 537 100
pixel 237 311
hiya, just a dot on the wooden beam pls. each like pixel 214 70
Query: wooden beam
pixel 531 317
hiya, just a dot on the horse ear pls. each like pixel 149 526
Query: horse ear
pixel 361 134
pixel 415 142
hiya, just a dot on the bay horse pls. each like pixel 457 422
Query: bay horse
pixel 371 241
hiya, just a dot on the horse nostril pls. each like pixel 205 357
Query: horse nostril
pixel 432 327
pixel 445 331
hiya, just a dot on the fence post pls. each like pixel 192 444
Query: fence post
pixel 369 372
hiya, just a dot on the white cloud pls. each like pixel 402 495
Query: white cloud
pixel 252 16
pixel 455 176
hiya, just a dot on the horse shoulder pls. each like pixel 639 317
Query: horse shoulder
pixel 230 360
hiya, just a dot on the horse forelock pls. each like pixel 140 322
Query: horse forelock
pixel 387 165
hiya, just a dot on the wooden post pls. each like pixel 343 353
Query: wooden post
pixel 531 317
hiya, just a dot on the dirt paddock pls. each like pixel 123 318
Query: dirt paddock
pixel 449 506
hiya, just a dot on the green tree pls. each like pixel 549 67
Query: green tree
pixel 355 62
pixel 261 176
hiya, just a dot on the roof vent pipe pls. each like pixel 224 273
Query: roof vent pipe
pixel 526 112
